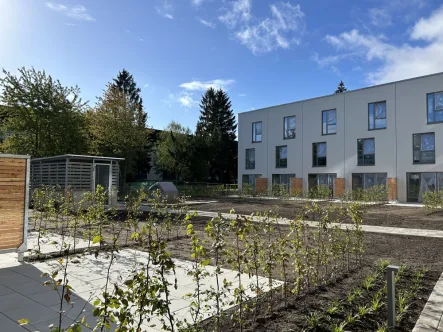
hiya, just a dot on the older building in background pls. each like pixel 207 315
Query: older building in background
pixel 390 134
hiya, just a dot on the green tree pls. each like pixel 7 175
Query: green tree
pixel 126 84
pixel 116 129
pixel 40 116
pixel 178 153
pixel 216 126
pixel 341 87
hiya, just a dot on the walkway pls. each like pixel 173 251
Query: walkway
pixel 431 318
pixel 23 295
pixel 366 228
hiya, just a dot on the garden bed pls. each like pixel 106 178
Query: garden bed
pixel 378 215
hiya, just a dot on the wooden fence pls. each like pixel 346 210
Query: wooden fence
pixel 14 201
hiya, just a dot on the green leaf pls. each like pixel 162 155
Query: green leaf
pixel 23 321
pixel 96 239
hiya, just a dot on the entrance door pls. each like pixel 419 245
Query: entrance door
pixel 102 178
pixel 413 187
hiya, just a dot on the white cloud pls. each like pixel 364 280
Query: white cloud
pixel 146 85
pixel 209 24
pixel 282 29
pixel 128 31
pixel 421 56
pixel 184 98
pixel 77 12
pixel 380 17
pixel 165 9
pixel 203 86
pixel 239 12
pixel 242 95
pixel 197 2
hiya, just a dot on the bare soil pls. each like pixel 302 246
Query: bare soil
pixel 379 215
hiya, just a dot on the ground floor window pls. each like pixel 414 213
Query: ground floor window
pixel 315 180
pixel 418 183
pixel 368 180
pixel 248 180
pixel 281 182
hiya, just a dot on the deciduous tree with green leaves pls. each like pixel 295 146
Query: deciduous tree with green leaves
pixel 178 153
pixel 117 129
pixel 217 126
pixel 41 117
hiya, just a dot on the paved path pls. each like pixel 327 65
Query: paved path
pixel 366 228
pixel 23 295
pixel 431 318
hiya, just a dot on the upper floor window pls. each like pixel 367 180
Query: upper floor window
pixel 329 122
pixel 377 115
pixel 289 127
pixel 435 107
pixel 366 151
pixel 281 156
pixel 319 154
pixel 250 159
pixel 257 131
pixel 424 148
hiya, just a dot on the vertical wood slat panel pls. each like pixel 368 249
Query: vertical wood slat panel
pixel 12 189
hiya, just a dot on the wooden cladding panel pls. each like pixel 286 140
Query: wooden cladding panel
pixel 12 201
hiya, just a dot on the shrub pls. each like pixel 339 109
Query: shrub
pixel 433 201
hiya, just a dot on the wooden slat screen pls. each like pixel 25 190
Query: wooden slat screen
pixel 12 201
pixel 80 175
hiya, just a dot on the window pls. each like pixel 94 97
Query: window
pixel 435 107
pixel 256 132
pixel 249 179
pixel 329 122
pixel 424 148
pixel 281 156
pixel 419 183
pixel 368 180
pixel 366 152
pixel 323 179
pixel 377 115
pixel 318 154
pixel 283 180
pixel 289 127
pixel 250 159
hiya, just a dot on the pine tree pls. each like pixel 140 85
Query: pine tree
pixel 341 87
pixel 217 126
pixel 125 83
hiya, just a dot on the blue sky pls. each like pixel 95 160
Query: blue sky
pixel 262 52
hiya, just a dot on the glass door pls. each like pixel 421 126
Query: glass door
pixel 413 193
pixel 102 178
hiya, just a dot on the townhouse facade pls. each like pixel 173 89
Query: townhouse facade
pixel 389 134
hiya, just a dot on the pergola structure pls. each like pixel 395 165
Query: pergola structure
pixel 78 173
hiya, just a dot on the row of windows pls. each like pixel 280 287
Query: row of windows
pixel 423 148
pixel 376 118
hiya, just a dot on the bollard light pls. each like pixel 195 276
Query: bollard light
pixel 391 270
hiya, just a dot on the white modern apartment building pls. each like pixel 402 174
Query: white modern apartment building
pixel 389 134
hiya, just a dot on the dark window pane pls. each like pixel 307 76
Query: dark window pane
pixel 428 182
pixel 380 179
pixel 357 181
pixel 440 181
pixel 417 155
pixel 321 161
pixel 369 180
pixel 428 157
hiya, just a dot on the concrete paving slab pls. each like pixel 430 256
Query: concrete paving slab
pixel 431 318
pixel 9 325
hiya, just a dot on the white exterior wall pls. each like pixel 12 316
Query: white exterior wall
pixel 406 114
